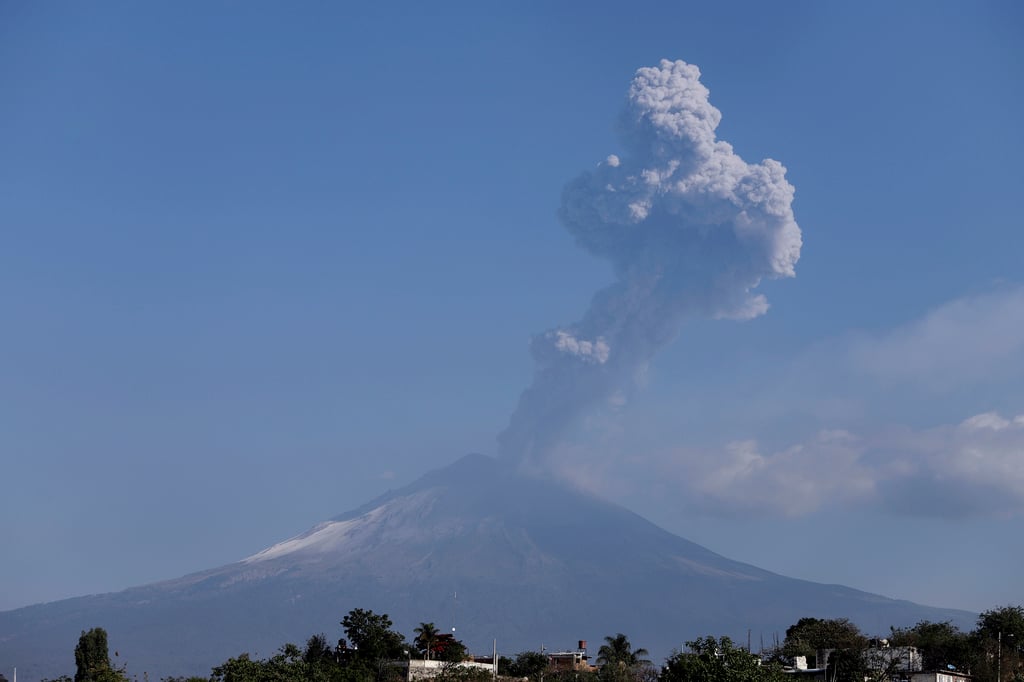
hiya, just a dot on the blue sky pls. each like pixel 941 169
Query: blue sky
pixel 261 263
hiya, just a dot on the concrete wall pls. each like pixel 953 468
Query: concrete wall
pixel 425 670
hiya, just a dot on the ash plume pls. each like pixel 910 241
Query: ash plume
pixel 690 228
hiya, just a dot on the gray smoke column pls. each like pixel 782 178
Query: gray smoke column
pixel 691 230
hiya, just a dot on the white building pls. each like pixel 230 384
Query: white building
pixel 418 669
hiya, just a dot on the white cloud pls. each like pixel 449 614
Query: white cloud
pixel 919 433
pixel 590 351
pixel 967 340
pixel 988 420
pixel 972 468
pixel 965 356
pixel 795 481
pixel 745 309
pixel 969 469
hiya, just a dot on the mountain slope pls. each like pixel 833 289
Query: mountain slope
pixel 498 554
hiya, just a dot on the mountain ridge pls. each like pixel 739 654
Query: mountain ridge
pixel 531 560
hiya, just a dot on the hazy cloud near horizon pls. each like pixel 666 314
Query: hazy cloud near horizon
pixel 860 447
pixel 953 470
pixel 968 340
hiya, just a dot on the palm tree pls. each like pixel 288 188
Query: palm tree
pixel 619 659
pixel 426 638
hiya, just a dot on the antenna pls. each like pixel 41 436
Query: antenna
pixel 455 603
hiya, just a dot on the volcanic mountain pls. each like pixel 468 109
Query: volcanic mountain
pixel 501 555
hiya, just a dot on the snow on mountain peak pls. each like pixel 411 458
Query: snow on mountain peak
pixel 397 520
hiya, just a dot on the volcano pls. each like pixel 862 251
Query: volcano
pixel 494 553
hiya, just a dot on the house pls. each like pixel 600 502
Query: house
pixel 894 662
pixel 419 669
pixel 570 660
pixel 939 676
pixel 801 670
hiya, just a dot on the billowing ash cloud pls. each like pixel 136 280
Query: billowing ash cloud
pixel 690 228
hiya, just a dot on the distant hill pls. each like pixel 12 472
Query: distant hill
pixel 501 555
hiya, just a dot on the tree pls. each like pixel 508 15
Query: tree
pixel 426 639
pixel 372 637
pixel 531 664
pixel 318 651
pixel 618 649
pixel 92 656
pixel 718 660
pixel 809 635
pixel 999 639
pixel 284 666
pixel 941 644
pixel 846 665
pixel 1008 620
pixel 450 649
pixel 92 659
pixel 239 669
pixel 570 675
pixel 619 661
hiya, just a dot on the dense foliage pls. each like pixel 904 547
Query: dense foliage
pixel 620 662
pixel 372 651
pixel 529 664
pixel 92 659
pixel 810 635
pixel 718 660
pixel 942 645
